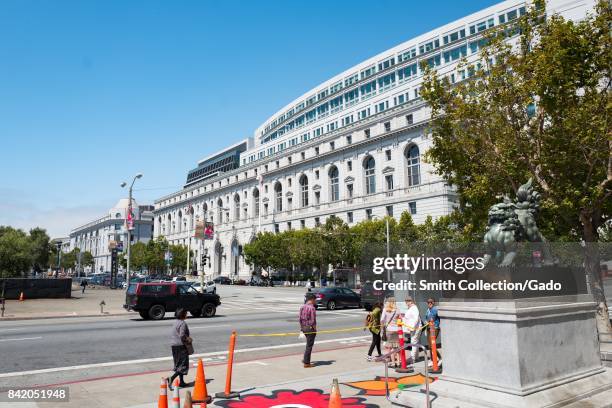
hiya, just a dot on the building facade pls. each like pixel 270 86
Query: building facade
pixel 351 147
pixel 96 235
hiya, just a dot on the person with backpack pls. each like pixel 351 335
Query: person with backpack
pixel 388 322
pixel 373 325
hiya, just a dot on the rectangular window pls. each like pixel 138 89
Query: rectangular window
pixel 407 72
pixel 386 64
pixel 386 81
pixel 455 54
pixel 368 72
pixel 409 119
pixel 302 224
pixel 368 88
pixel 276 228
pixel 317 171
pixel 387 126
pixel 431 45
pixel 289 225
pixel 367 133
pixel 317 195
pixel 349 165
pixel 388 154
pixel 412 207
pixel 316 151
pixel 351 80
pixel 389 210
pixel 434 61
pixel 349 139
pixel 349 217
pixel 406 55
pixel 368 213
pixel 332 145
pixel 317 221
pixel 303 155
pixel 389 182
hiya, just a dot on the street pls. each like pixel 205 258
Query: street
pixel 50 351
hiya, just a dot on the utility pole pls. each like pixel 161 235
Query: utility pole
pixel 129 217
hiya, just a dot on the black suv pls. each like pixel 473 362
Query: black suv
pixel 152 300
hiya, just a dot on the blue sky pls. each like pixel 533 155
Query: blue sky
pixel 92 92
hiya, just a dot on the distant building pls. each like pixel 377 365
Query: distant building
pixel 96 235
pixel 351 147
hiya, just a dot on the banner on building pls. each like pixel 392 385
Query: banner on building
pixel 204 230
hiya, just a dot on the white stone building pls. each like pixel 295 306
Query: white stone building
pixel 351 147
pixel 96 235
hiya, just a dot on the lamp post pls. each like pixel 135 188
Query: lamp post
pixel 388 243
pixel 129 215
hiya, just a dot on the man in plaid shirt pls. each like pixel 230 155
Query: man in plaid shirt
pixel 308 325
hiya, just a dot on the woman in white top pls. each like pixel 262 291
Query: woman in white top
pixel 388 322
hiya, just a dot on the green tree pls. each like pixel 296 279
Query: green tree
pixel 87 259
pixel 41 249
pixel 179 258
pixel 15 253
pixel 156 249
pixel 538 110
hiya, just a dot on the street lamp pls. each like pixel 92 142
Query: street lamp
pixel 129 215
pixel 388 245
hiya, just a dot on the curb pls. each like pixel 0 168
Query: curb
pixel 10 319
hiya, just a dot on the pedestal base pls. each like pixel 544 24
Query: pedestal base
pixel 594 391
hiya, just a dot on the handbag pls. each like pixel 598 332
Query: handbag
pixel 384 330
pixel 189 345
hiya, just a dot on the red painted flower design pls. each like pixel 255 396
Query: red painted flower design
pixel 292 399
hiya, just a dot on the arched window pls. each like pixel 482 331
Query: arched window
pixel 236 207
pixel 278 194
pixel 219 211
pixel 256 202
pixel 413 162
pixel 369 166
pixel 334 184
pixel 304 191
pixel 204 211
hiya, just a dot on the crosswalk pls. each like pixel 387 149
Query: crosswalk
pixel 287 306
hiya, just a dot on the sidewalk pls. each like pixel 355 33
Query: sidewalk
pixel 80 305
pixel 266 377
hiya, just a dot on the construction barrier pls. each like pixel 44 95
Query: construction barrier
pixel 162 401
pixel 176 399
pixel 228 394
pixel 335 399
pixel 200 393
pixel 402 352
pixel 433 347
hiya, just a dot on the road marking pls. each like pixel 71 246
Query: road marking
pixel 208 327
pixel 253 362
pixel 22 338
pixel 158 359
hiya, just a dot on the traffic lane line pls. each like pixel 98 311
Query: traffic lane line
pixel 160 359
pixel 22 338
pixel 109 377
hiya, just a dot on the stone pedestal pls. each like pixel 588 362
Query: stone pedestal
pixel 517 353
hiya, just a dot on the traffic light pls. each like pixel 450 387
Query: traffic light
pixel 204 260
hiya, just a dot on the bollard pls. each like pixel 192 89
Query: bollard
pixel 433 347
pixel 400 333
pixel 162 401
pixel 102 304
pixel 227 394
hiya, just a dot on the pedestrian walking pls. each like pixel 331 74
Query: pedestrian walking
pixel 412 321
pixel 83 285
pixel 308 326
pixel 388 321
pixel 182 347
pixel 373 325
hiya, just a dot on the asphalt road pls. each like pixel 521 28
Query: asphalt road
pixel 131 344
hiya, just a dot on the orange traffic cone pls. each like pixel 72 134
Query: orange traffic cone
pixel 176 399
pixel 335 400
pixel 188 403
pixel 162 402
pixel 200 394
pixel 21 299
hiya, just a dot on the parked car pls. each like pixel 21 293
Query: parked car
pixel 332 298
pixel 222 280
pixel 370 296
pixel 179 279
pixel 153 299
pixel 209 287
